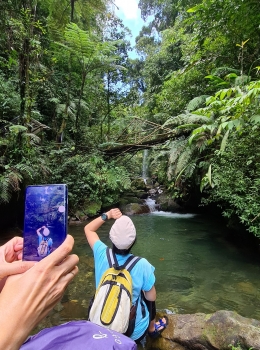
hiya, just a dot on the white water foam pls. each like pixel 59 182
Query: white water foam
pixel 174 215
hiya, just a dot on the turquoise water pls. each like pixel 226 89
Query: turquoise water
pixel 197 270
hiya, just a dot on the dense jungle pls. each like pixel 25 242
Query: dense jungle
pixel 76 109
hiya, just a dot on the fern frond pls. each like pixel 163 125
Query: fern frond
pixel 85 44
pixel 185 158
pixel 177 147
pixel 25 170
pixel 190 169
pixel 9 183
pixel 33 139
pixel 14 179
pixel 188 118
pixel 5 192
pixel 222 71
pixel 197 102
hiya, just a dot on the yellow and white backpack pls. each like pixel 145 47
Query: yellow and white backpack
pixel 113 299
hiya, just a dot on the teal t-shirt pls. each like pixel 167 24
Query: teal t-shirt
pixel 143 278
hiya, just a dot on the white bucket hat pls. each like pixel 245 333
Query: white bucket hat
pixel 122 234
pixel 46 232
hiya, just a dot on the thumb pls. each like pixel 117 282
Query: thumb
pixel 14 268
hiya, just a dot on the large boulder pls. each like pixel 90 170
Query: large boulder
pixel 134 208
pixel 166 203
pixel 221 330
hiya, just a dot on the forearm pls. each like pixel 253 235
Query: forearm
pixel 13 329
pixel 94 225
pixel 90 230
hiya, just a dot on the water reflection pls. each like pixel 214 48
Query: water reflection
pixel 197 270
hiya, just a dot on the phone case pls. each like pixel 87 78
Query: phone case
pixel 45 220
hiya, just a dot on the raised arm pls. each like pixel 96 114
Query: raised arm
pixel 38 231
pixel 91 228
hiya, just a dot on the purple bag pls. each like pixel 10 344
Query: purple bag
pixel 79 335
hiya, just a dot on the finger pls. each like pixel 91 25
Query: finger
pixel 68 264
pixel 19 245
pixel 19 255
pixel 11 248
pixel 75 271
pixel 15 268
pixel 16 242
pixel 12 243
pixel 70 275
pixel 59 254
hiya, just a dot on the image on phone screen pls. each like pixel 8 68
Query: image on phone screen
pixel 45 220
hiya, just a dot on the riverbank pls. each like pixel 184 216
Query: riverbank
pixel 222 330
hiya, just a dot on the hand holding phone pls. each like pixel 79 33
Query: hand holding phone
pixel 28 297
pixel 10 260
pixel 45 220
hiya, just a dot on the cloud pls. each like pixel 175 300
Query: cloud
pixel 128 8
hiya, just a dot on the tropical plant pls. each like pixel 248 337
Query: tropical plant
pixel 92 182
pixel 21 161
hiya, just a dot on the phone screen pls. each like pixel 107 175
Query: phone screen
pixel 45 220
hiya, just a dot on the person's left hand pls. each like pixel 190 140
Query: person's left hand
pixel 10 259
pixel 114 214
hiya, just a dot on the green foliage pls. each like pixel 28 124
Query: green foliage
pixel 197 102
pixel 236 175
pixel 9 99
pixel 237 346
pixel 21 162
pixel 92 182
pixel 65 65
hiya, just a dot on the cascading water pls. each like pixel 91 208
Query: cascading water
pixel 151 204
pixel 145 166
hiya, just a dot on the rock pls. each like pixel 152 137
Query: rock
pixel 166 203
pixel 138 184
pixel 220 330
pixel 135 208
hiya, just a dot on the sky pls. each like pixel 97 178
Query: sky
pixel 130 14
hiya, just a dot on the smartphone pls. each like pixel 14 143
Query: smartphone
pixel 45 220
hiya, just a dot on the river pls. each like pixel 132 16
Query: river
pixel 197 269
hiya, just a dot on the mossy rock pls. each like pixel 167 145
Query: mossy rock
pixel 139 184
pixel 135 208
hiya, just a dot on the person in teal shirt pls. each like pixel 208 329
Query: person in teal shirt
pixel 44 236
pixel 123 237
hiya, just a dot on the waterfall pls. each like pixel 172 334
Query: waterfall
pixel 145 165
pixel 151 204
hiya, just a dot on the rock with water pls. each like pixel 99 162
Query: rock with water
pixel 166 203
pixel 221 330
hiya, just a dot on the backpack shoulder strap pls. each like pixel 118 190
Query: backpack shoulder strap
pixel 131 262
pixel 128 265
pixel 111 257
